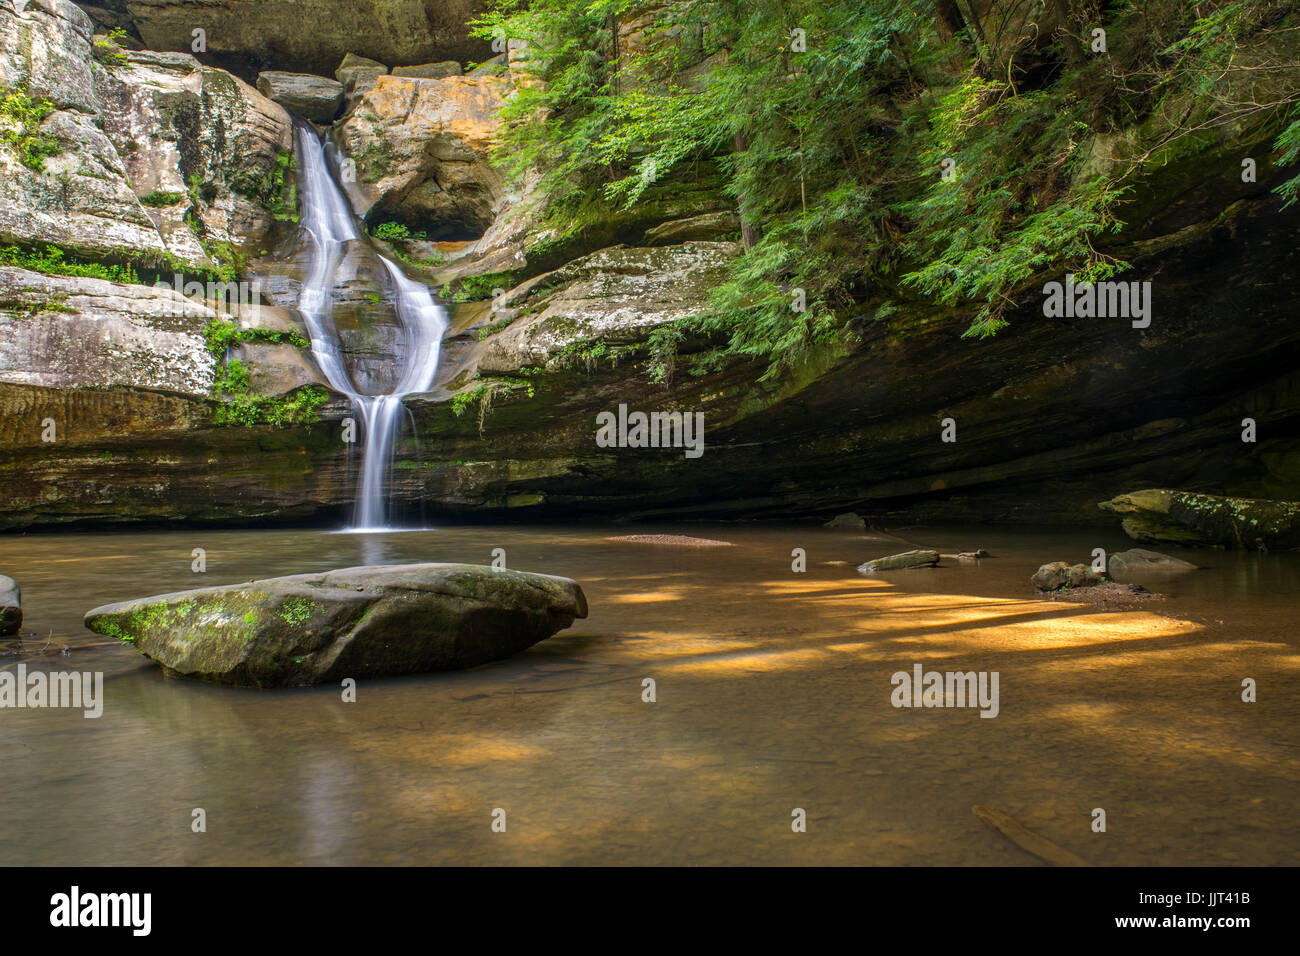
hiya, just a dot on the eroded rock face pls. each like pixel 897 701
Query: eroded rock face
pixel 65 333
pixel 203 144
pixel 187 139
pixel 422 152
pixel 79 197
pixel 303 35
pixel 356 622
pixel 317 98
pixel 615 295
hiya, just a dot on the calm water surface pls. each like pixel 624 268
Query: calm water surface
pixel 773 693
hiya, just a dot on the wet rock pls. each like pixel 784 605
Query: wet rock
pixel 318 98
pixel 429 71
pixel 971 555
pixel 1051 576
pixel 1061 574
pixel 1162 515
pixel 849 521
pixel 899 562
pixel 1140 561
pixel 11 612
pixel 356 622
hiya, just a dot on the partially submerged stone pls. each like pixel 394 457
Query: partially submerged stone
pixel 357 622
pixel 1060 574
pixel 673 540
pixel 11 611
pixel 1137 561
pixel 922 558
pixel 1161 515
pixel 849 521
pixel 315 97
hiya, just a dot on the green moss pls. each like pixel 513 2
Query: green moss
pixel 238 405
pixel 480 287
pixel 158 199
pixel 20 122
pixel 297 611
pixel 108 50
pixel 219 335
pixel 275 189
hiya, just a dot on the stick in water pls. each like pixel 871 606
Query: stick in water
pixel 1028 840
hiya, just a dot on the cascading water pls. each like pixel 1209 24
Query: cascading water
pixel 327 221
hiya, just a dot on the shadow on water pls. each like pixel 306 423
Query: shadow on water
pixel 772 693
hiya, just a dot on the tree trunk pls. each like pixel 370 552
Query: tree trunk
pixel 749 230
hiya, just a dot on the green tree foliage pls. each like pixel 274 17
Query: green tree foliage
pixel 883 152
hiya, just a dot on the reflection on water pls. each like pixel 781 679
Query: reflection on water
pixel 772 693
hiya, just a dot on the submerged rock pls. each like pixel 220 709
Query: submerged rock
pixel 1060 574
pixel 1107 594
pixel 847 522
pixel 1140 560
pixel 11 612
pixel 357 622
pixel 672 540
pixel 1162 515
pixel 898 562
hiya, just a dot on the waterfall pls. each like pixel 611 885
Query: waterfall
pixel 328 224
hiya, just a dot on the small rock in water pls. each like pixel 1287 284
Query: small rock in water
pixel 315 628
pixel 849 521
pixel 672 540
pixel 11 611
pixel 969 555
pixel 899 562
pixel 1059 574
pixel 1140 560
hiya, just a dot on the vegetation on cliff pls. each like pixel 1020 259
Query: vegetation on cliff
pixel 886 153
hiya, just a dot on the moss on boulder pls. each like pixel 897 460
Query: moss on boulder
pixel 357 622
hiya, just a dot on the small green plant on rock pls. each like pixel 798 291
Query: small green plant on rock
pixel 108 49
pixel 20 128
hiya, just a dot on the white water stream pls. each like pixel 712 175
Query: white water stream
pixel 328 222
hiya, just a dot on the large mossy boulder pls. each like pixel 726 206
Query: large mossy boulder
pixel 1161 515
pixel 357 622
